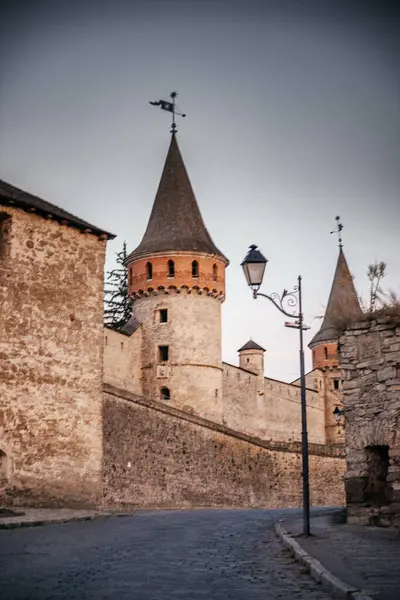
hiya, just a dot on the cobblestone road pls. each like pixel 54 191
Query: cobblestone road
pixel 167 555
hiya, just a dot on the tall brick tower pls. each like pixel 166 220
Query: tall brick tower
pixel 177 283
pixel 343 302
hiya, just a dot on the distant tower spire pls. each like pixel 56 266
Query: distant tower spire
pixel 339 232
pixel 170 107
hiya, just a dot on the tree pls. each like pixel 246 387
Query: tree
pixel 375 274
pixel 118 305
pixel 379 301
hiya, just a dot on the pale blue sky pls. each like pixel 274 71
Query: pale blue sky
pixel 293 118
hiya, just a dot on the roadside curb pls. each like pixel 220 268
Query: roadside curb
pixel 55 521
pixel 328 581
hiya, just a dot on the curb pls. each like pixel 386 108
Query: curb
pixel 40 523
pixel 328 581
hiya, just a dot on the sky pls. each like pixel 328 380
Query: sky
pixel 293 117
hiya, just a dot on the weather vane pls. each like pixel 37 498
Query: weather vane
pixel 339 232
pixel 170 107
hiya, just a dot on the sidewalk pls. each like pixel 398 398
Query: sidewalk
pixel 30 517
pixel 365 558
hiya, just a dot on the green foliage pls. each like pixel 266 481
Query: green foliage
pixel 117 304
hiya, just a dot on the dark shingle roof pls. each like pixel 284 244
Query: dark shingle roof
pixel 343 302
pixel 175 222
pixel 131 326
pixel 10 195
pixel 250 345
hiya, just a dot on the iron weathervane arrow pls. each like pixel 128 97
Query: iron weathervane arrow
pixel 170 107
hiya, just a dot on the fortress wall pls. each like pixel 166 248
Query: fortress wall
pixel 269 409
pixel 156 455
pixel 123 360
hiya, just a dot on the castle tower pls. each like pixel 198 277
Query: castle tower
pixel 342 303
pixel 177 282
pixel 251 357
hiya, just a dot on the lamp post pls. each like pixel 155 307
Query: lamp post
pixel 253 266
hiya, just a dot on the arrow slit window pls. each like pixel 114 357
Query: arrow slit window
pixel 149 271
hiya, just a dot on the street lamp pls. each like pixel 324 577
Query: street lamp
pixel 253 266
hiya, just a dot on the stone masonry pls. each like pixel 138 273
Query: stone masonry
pixel 156 455
pixel 51 356
pixel 370 360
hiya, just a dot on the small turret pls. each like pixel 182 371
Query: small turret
pixel 251 357
pixel 342 304
pixel 176 279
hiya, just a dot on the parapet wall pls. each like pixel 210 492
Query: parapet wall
pixel 156 455
pixel 269 409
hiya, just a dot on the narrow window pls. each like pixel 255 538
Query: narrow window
pixel 326 352
pixel 163 353
pixel 195 268
pixel 215 272
pixel 3 465
pixel 165 393
pixel 149 270
pixel 130 276
pixel 5 233
pixel 248 360
pixel 171 268
pixel 163 315
pixel 336 384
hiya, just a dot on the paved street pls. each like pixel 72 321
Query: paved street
pixel 167 555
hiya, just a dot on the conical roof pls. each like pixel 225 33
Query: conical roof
pixel 250 345
pixel 342 304
pixel 175 222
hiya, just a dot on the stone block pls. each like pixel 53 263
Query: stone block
pixel 350 385
pixel 372 362
pixel 393 357
pixel 367 380
pixel 386 373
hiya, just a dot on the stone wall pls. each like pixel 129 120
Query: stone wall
pixel 51 358
pixel 269 409
pixel 123 360
pixel 370 361
pixel 155 455
pixel 192 332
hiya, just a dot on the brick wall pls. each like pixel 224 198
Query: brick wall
pixel 211 272
pixel 155 455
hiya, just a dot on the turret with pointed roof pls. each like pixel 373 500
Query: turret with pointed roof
pixel 343 302
pixel 175 222
pixel 251 357
pixel 176 279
